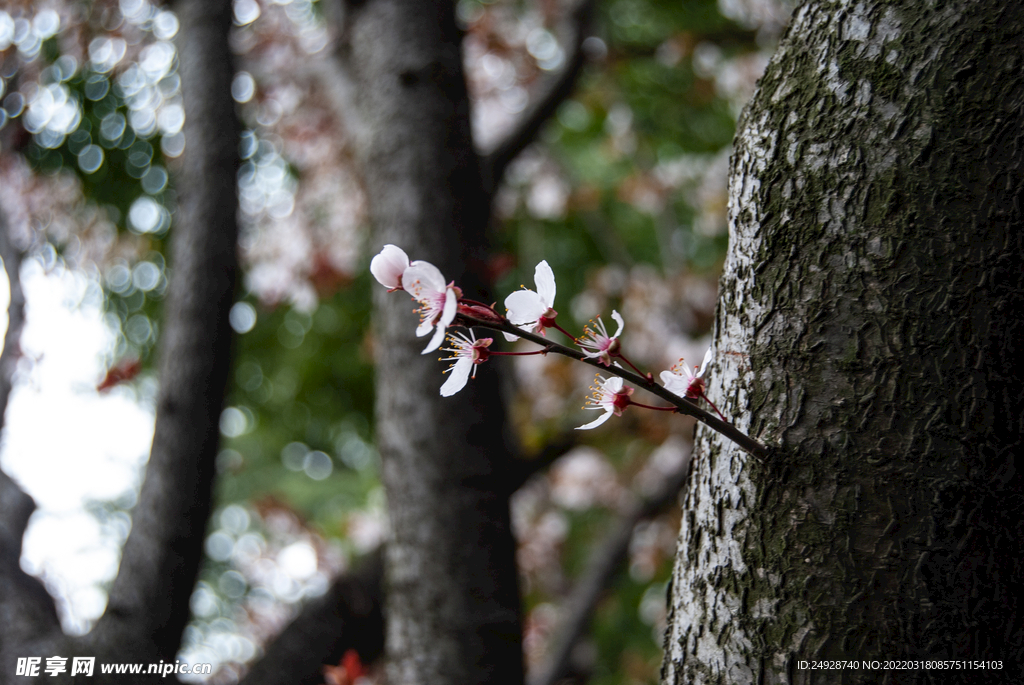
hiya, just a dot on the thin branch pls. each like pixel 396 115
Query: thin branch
pixel 349 616
pixel 683 405
pixel 494 163
pixel 604 563
pixel 521 469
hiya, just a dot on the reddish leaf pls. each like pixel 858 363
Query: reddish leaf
pixel 124 370
pixel 345 673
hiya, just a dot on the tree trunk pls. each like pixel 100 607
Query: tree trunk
pixel 162 554
pixel 867 330
pixel 148 606
pixel 452 600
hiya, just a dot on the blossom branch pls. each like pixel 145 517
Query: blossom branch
pixel 442 305
pixel 682 405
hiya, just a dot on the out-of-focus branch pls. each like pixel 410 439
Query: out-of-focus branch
pixel 604 563
pixel 28 611
pixel 11 256
pixel 558 89
pixel 349 616
pixel 24 601
pixel 161 558
pixel 521 469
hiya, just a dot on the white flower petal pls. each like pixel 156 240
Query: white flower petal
pixel 524 306
pixel 422 278
pixel 618 320
pixel 613 384
pixel 596 422
pixel 424 328
pixel 510 337
pixel 457 377
pixel 704 364
pixel 451 304
pixel 674 383
pixel 544 277
pixel 388 266
pixel 436 341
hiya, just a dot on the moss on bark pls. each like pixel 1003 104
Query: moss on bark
pixel 865 331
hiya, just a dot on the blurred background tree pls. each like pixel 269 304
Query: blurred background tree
pixel 620 184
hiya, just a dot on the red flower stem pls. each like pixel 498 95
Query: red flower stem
pixel 565 332
pixel 648 406
pixel 632 365
pixel 519 354
pixel 683 405
pixel 466 300
pixel 705 398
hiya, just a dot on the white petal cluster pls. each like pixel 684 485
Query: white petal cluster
pixel 687 383
pixel 608 395
pixel 438 300
pixel 598 344
pixel 528 308
pixel 468 352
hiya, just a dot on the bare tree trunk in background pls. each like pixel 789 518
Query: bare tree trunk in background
pixel 452 600
pixel 165 548
pixel 870 328
pixel 149 601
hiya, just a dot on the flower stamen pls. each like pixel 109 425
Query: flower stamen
pixel 467 354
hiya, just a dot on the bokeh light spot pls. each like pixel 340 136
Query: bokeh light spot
pixel 90 158
pixel 242 317
pixel 145 215
pixel 243 87
pixel 318 465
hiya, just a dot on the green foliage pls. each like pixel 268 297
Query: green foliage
pixel 305 379
pixel 114 163
pixel 124 173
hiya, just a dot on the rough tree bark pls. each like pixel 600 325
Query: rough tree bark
pixel 162 555
pixel 868 329
pixel 452 599
pixel 148 606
